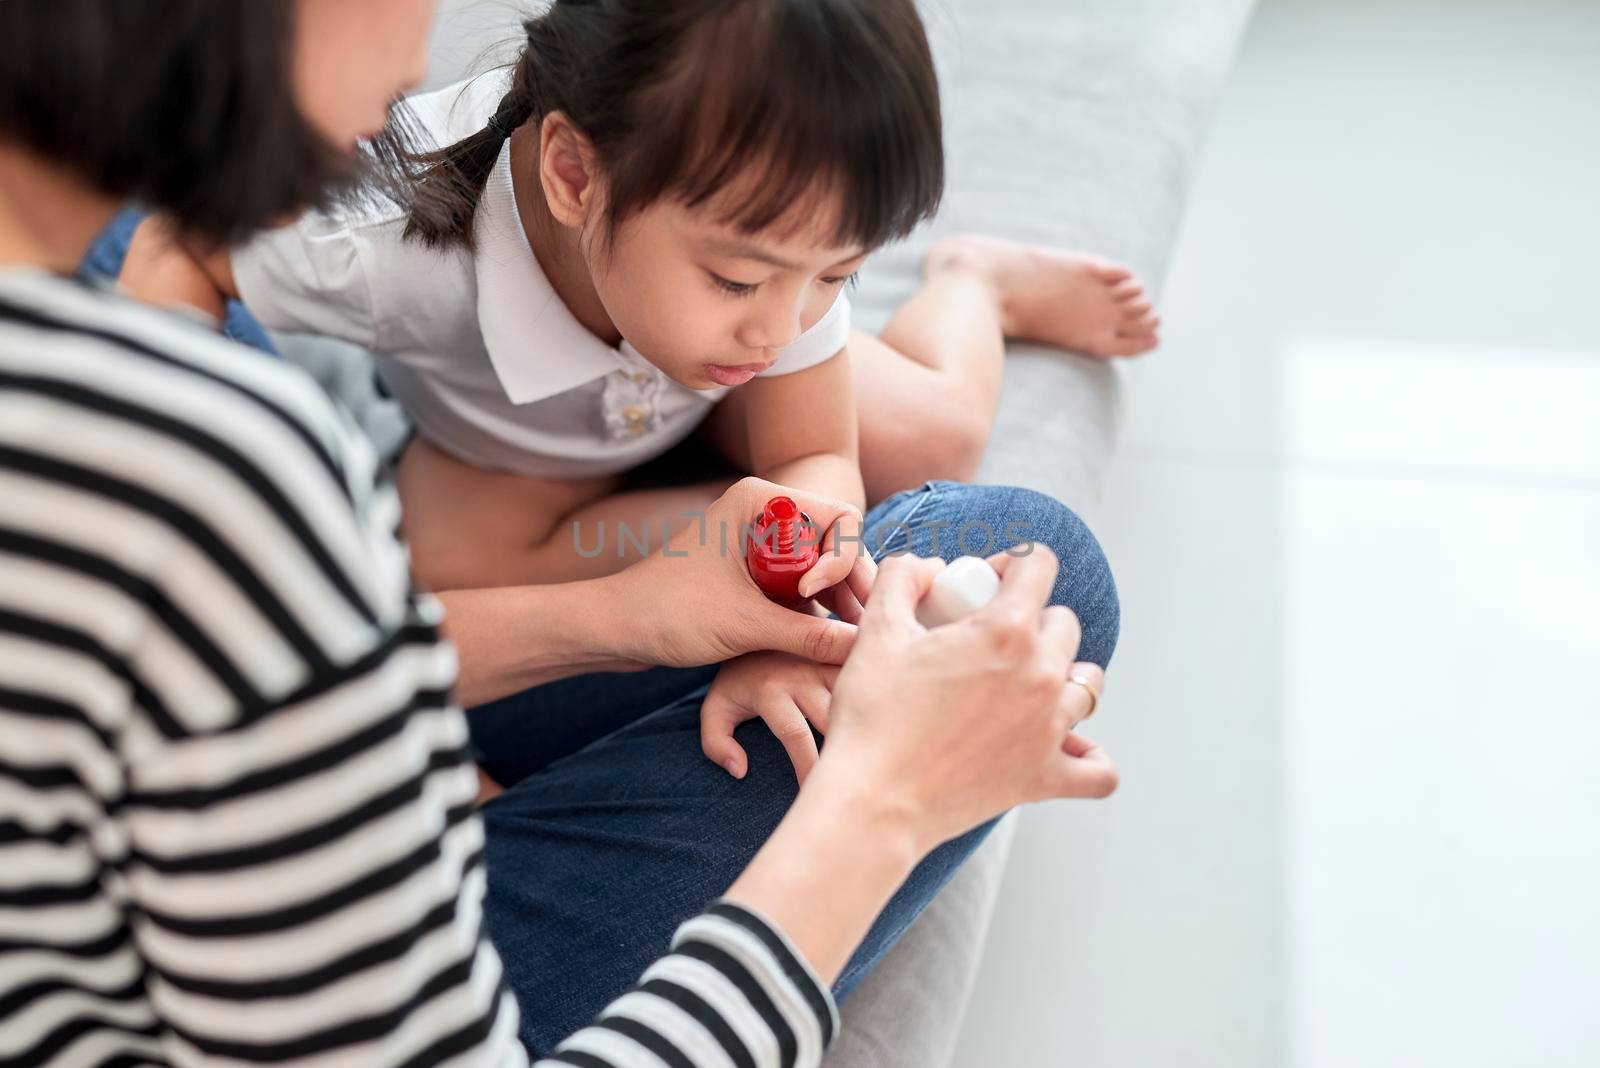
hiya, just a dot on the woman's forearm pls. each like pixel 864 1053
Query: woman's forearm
pixel 690 604
pixel 511 638
pixel 840 853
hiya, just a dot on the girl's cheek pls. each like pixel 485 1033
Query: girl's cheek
pixel 664 292
pixel 702 326
pixel 817 307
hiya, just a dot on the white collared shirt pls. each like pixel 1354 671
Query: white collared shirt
pixel 476 345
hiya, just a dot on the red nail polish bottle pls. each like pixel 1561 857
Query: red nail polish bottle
pixel 781 546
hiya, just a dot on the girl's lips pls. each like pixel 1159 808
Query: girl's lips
pixel 725 375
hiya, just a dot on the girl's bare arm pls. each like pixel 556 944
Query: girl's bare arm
pixel 802 430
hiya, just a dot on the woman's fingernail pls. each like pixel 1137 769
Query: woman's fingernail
pixel 731 766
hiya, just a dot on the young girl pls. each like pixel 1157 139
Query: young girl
pixel 648 227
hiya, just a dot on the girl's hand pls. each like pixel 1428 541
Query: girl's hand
pixel 993 711
pixel 695 603
pixel 841 580
pixel 790 694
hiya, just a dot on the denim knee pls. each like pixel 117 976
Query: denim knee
pixel 1085 583
pixel 951 519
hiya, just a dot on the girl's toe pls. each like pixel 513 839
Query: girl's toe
pixel 1132 346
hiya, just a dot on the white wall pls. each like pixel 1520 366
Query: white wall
pixel 1356 526
pixel 470 35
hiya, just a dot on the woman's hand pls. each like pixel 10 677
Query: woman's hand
pixel 789 694
pixel 931 732
pixel 692 604
pixel 695 603
pixel 953 726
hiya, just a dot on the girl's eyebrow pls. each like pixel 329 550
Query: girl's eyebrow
pixel 739 251
pixel 743 251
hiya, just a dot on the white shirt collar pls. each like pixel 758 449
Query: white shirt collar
pixel 537 347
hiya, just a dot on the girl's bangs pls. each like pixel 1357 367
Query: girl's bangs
pixel 813 120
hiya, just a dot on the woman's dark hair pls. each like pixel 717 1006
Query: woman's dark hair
pixel 185 106
pixel 678 99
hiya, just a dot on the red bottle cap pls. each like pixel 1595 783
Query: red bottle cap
pixel 781 545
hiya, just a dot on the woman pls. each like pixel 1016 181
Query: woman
pixel 236 810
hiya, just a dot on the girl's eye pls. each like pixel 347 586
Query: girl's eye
pixel 849 280
pixel 738 289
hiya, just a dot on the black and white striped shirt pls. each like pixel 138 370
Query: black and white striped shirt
pixel 236 807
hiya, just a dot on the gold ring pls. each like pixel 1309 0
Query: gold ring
pixel 1094 694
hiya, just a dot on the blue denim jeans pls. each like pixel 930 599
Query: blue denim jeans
pixel 616 827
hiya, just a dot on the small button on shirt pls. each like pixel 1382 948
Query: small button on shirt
pixel 475 344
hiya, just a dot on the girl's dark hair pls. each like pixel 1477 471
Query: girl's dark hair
pixel 185 106
pixel 678 99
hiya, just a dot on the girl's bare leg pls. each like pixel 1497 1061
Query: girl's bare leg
pixel 470 529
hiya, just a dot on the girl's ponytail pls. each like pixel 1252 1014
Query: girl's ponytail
pixel 444 186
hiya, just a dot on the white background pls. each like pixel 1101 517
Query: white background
pixel 1356 526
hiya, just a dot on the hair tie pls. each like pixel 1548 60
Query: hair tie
pixel 498 125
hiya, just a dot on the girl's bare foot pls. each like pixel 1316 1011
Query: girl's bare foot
pixel 1067 299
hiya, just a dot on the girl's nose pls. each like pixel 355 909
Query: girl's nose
pixel 773 325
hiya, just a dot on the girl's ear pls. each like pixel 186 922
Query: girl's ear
pixel 567 171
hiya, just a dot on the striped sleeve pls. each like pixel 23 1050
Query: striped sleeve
pixel 732 992
pixel 236 807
